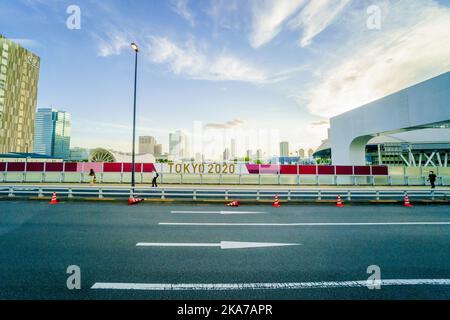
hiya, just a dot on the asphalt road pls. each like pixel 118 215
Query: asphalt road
pixel 38 242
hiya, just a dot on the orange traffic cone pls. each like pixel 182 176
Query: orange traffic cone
pixel 339 203
pixel 407 203
pixel 54 199
pixel 133 201
pixel 233 204
pixel 276 203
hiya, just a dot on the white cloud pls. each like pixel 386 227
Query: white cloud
pixel 268 17
pixel 413 49
pixel 113 42
pixel 187 59
pixel 315 17
pixel 181 8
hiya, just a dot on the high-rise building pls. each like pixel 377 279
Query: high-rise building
pixel 310 153
pixel 284 149
pixel 233 148
pixel 52 133
pixel 301 153
pixel 179 145
pixel 19 75
pixel 158 150
pixel 259 154
pixel 226 154
pixel 147 145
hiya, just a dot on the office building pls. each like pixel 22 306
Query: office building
pixel 259 154
pixel 179 145
pixel 226 154
pixel 147 145
pixel 19 74
pixel 284 149
pixel 52 133
pixel 301 153
pixel 233 148
pixel 158 150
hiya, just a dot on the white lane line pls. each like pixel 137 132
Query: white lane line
pixel 265 286
pixel 333 224
pixel 218 212
pixel 224 245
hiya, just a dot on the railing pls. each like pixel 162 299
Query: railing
pixel 221 174
pixel 258 194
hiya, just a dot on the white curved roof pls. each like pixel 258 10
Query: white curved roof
pixel 104 155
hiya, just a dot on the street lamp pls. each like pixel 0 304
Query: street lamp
pixel 133 153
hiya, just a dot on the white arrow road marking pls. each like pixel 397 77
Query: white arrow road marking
pixel 266 286
pixel 219 212
pixel 212 224
pixel 224 245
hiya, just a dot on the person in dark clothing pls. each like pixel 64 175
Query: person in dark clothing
pixel 432 178
pixel 93 177
pixel 155 176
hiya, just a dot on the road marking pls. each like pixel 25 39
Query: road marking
pixel 219 212
pixel 224 245
pixel 333 224
pixel 265 286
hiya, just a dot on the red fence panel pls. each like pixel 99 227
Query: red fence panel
pixel 312 170
pixel 35 166
pixel 344 170
pixel 362 171
pixel 2 166
pixel 269 169
pixel 127 167
pixel 54 167
pixel 148 167
pixel 253 168
pixel 326 170
pixel 112 167
pixel 288 169
pixel 16 166
pixel 380 171
pixel 70 167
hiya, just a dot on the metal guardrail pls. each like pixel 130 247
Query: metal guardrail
pixel 258 194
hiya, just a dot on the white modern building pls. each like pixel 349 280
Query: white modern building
pixel 422 106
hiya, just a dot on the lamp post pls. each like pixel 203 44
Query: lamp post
pixel 133 153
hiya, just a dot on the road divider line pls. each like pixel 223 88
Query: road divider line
pixel 266 286
pixel 316 224
pixel 224 245
pixel 217 212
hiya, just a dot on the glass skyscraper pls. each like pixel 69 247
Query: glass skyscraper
pixel 52 133
pixel 19 74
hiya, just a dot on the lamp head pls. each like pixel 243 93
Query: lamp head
pixel 135 47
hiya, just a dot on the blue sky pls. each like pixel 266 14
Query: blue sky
pixel 285 65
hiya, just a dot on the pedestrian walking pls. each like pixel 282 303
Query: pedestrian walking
pixel 93 177
pixel 155 176
pixel 432 178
